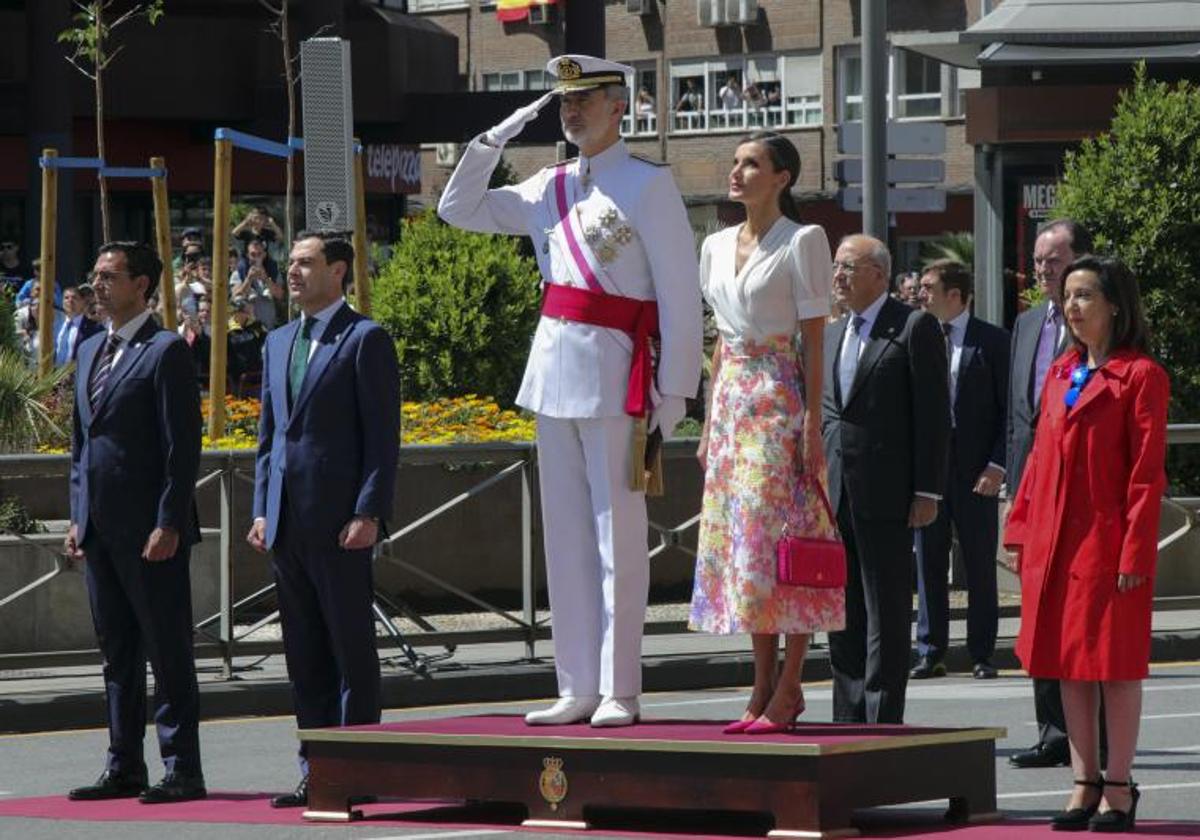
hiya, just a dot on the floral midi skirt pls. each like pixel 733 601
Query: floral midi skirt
pixel 753 486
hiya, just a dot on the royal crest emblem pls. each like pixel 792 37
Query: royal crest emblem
pixel 569 70
pixel 552 784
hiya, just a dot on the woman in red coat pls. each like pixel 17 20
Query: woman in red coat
pixel 1083 533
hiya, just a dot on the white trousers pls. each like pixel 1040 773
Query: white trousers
pixel 597 555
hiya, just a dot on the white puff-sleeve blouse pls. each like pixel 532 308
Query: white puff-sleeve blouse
pixel 787 279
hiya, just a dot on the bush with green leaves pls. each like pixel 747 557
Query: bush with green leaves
pixel 30 405
pixel 1137 187
pixel 8 325
pixel 461 307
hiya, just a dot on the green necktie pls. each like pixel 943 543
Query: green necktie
pixel 300 353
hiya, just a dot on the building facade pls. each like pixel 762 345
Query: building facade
pixel 710 71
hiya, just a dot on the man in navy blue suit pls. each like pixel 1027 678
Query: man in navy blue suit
pixel 977 353
pixel 328 443
pixel 134 457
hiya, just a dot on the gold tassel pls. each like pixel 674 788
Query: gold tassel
pixel 645 460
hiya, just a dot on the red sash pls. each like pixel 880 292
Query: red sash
pixel 637 318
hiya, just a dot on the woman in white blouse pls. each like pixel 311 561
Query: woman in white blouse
pixel 768 281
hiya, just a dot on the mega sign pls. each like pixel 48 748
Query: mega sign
pixel 393 168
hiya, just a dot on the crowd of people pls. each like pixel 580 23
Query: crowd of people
pixel 883 432
pixel 257 301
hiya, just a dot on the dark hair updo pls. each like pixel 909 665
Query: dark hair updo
pixel 784 156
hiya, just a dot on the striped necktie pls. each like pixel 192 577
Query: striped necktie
pixel 103 370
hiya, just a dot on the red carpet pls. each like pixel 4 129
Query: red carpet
pixel 253 809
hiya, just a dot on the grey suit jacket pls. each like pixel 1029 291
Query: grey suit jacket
pixel 1023 403
pixel 888 438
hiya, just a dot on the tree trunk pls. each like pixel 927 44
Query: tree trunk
pixel 105 230
pixel 289 210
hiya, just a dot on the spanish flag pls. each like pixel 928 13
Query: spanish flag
pixel 508 11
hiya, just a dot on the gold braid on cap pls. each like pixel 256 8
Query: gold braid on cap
pixel 569 70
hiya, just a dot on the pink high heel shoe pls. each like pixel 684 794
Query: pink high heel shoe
pixel 764 726
pixel 738 727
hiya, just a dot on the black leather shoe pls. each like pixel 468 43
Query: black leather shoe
pixel 1076 819
pixel 1113 821
pixel 985 671
pixel 926 669
pixel 1042 755
pixel 175 787
pixel 296 799
pixel 111 785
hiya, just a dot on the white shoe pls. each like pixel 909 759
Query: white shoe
pixel 566 710
pixel 617 711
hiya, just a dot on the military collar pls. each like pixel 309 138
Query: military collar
pixel 613 155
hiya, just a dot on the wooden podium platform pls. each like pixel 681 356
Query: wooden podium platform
pixel 809 780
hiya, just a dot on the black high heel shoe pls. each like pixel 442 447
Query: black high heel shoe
pixel 1113 821
pixel 1078 819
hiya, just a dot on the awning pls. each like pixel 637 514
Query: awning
pixel 946 47
pixel 1089 21
pixel 1013 55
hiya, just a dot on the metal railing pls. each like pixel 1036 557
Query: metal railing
pixel 516 462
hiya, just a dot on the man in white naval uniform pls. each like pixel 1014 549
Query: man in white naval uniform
pixel 608 228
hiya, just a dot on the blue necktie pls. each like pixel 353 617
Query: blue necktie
pixel 62 352
pixel 850 352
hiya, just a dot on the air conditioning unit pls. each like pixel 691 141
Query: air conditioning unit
pixel 741 12
pixel 447 154
pixel 540 15
pixel 711 12
pixel 640 7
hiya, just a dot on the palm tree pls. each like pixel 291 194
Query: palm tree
pixel 27 416
pixel 959 247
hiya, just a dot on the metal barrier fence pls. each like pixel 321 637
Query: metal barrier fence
pixel 217 634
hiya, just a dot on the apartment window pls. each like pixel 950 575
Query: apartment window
pixel 516 80
pixel 735 94
pixel 918 88
pixel 415 6
pixel 641 118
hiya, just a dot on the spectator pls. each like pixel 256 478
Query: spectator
pixel 768 282
pixel 23 295
pixel 1083 534
pixel 14 271
pixel 690 100
pixel 76 325
pixel 645 103
pixel 256 279
pixel 191 236
pixel 194 329
pixel 26 319
pixel 1039 336
pixel 908 289
pixel 886 416
pixel 246 337
pixel 258 224
pixel 978 355
pixel 754 96
pixel 730 94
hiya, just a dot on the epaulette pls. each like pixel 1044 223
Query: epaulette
pixel 557 162
pixel 650 161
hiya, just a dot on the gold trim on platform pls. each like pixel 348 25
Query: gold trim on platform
pixel 725 746
pixel 328 816
pixel 566 825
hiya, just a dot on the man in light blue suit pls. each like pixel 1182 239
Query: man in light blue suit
pixel 134 457
pixel 328 444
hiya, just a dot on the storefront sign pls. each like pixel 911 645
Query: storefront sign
pixel 392 168
pixel 1034 207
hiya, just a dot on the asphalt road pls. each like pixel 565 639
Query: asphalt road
pixel 256 755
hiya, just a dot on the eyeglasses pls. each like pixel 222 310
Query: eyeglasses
pixel 106 277
pixel 8 246
pixel 844 267
pixel 1079 378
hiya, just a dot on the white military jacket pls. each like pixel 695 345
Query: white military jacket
pixel 641 245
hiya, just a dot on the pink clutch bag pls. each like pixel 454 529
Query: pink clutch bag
pixel 812 561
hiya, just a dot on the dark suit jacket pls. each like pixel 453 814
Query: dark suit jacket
pixel 336 449
pixel 887 439
pixel 87 329
pixel 134 460
pixel 1023 403
pixel 981 400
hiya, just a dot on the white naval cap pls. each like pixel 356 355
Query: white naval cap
pixel 583 72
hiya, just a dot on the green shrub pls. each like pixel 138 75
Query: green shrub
pixel 31 406
pixel 1137 187
pixel 8 324
pixel 461 307
pixel 16 519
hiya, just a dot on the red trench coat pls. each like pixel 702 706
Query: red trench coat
pixel 1087 509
